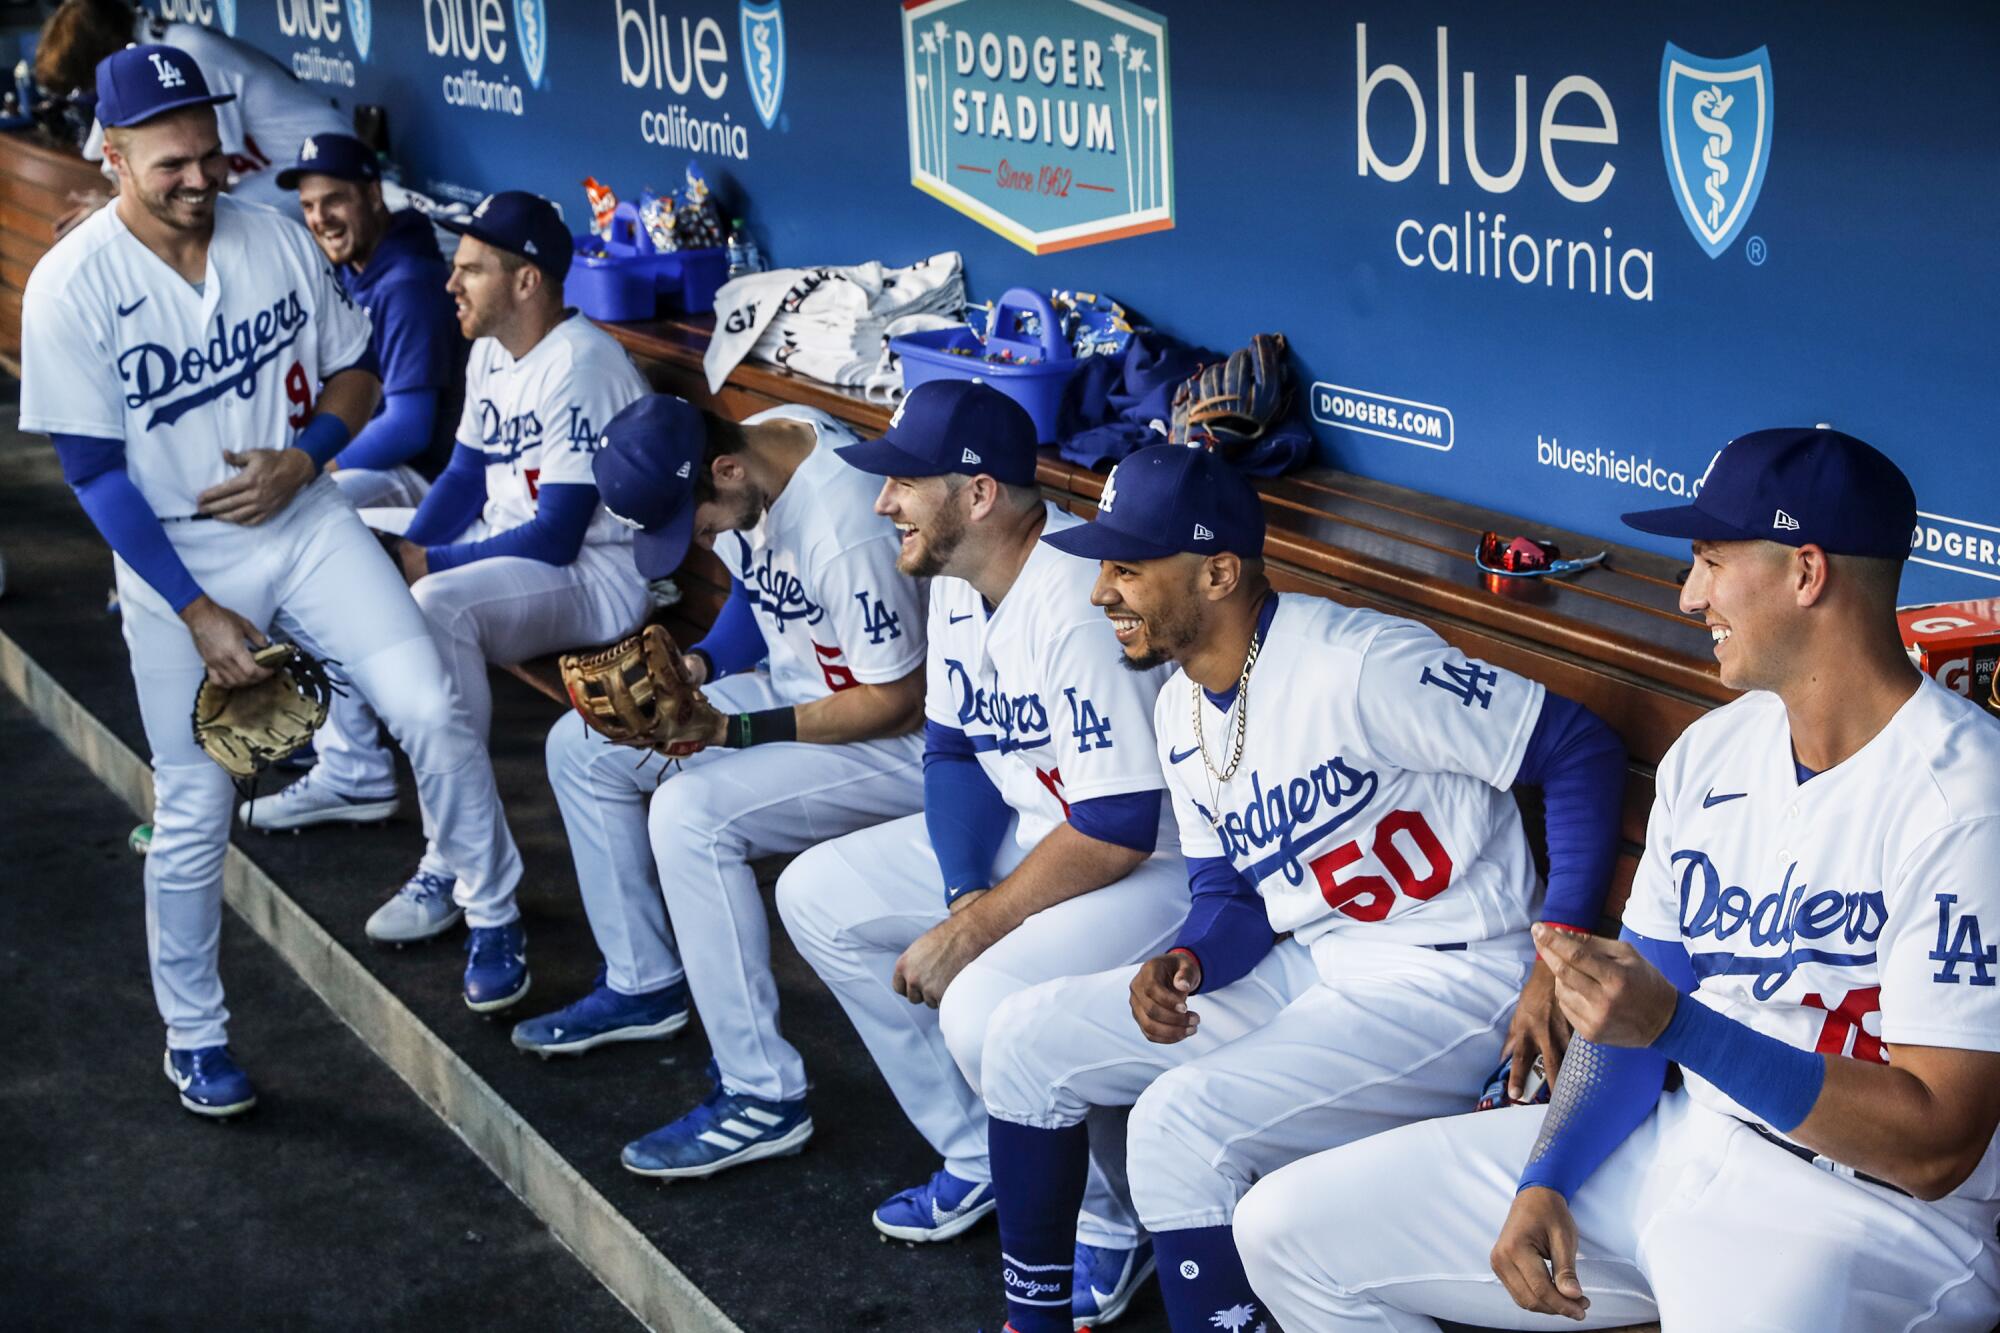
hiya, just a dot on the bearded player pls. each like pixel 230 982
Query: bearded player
pixel 1341 780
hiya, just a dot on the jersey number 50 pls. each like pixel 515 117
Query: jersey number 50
pixel 1370 897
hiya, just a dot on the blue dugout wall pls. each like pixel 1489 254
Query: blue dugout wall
pixel 1543 257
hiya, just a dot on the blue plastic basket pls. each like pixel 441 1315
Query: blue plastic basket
pixel 1024 326
pixel 632 281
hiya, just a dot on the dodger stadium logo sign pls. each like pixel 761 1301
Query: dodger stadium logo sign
pixel 1048 121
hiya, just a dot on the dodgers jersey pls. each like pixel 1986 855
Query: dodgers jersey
pixel 1040 688
pixel 1372 794
pixel 539 419
pixel 117 345
pixel 820 571
pixel 1849 911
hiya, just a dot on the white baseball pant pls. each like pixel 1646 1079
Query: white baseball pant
pixel 1317 1046
pixel 854 904
pixel 399 487
pixel 314 572
pixel 1694 1221
pixel 638 825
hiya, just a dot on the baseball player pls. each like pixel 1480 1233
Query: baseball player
pixel 1043 849
pixel 197 364
pixel 1341 778
pixel 390 265
pixel 1807 938
pixel 510 554
pixel 828 743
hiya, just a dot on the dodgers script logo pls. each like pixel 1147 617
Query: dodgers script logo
pixel 1715 126
pixel 360 22
pixel 1295 814
pixel 533 20
pixel 1795 918
pixel 1020 720
pixel 229 360
pixel 763 29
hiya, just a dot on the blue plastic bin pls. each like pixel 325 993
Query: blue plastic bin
pixel 631 281
pixel 1025 325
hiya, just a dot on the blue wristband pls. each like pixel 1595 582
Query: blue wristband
pixel 1773 1080
pixel 323 437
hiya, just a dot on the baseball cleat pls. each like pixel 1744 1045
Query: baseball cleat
pixel 496 967
pixel 727 1129
pixel 209 1081
pixel 1105 1282
pixel 942 1207
pixel 605 1016
pixel 421 910
pixel 306 803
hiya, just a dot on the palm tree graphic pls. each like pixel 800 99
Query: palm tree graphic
pixel 1235 1319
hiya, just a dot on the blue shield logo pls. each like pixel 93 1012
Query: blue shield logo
pixel 360 22
pixel 532 20
pixel 763 28
pixel 225 14
pixel 1715 127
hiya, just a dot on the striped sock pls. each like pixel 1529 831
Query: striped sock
pixel 1038 1178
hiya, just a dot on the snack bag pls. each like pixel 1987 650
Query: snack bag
pixel 698 223
pixel 656 215
pixel 603 203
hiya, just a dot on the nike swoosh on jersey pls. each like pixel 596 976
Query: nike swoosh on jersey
pixel 1713 799
pixel 125 310
pixel 966 616
pixel 1175 756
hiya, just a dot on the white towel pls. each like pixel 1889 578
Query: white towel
pixel 826 322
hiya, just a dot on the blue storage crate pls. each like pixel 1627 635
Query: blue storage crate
pixel 1024 327
pixel 625 279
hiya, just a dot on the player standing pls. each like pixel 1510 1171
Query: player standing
pixel 390 264
pixel 172 344
pixel 1341 777
pixel 1806 938
pixel 1043 848
pixel 818 745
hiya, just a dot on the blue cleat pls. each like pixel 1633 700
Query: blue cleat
pixel 727 1129
pixel 209 1082
pixel 496 967
pixel 940 1208
pixel 1105 1282
pixel 605 1016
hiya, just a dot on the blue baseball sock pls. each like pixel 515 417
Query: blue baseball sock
pixel 1202 1280
pixel 1038 1179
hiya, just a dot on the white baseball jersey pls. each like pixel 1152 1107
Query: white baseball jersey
pixel 539 419
pixel 820 570
pixel 1372 794
pixel 1845 912
pixel 122 347
pixel 1040 688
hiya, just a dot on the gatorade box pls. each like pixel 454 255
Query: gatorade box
pixel 1959 644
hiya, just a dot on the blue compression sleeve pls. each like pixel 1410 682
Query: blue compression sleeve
pixel 1579 763
pixel 963 811
pixel 563 511
pixel 1774 1080
pixel 323 437
pixel 1130 820
pixel 1227 929
pixel 1603 1092
pixel 95 470
pixel 736 641
pixel 454 500
pixel 399 432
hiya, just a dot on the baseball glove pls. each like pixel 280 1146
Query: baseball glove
pixel 247 730
pixel 1233 402
pixel 638 692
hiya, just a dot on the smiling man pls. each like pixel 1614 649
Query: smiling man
pixel 1340 778
pixel 1807 939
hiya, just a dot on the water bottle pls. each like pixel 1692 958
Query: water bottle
pixel 739 250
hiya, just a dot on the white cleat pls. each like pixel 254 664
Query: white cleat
pixel 421 910
pixel 306 803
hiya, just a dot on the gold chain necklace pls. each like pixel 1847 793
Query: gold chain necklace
pixel 1218 780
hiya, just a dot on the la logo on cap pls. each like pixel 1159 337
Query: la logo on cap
pixel 1784 522
pixel 310 151
pixel 1110 493
pixel 1202 534
pixel 484 204
pixel 169 76
pixel 901 408
pixel 685 470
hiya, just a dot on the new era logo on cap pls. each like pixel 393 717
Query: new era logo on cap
pixel 684 471
pixel 1784 522
pixel 169 76
pixel 969 457
pixel 1202 534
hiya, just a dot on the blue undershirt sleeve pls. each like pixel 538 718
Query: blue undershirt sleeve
pixel 963 811
pixel 553 536
pixel 398 433
pixel 454 499
pixel 1130 819
pixel 1227 929
pixel 95 470
pixel 1603 1092
pixel 736 641
pixel 1579 763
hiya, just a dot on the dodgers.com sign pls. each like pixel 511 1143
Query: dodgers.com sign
pixel 1049 121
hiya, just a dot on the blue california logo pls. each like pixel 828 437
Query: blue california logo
pixel 1715 127
pixel 763 28
pixel 533 20
pixel 360 22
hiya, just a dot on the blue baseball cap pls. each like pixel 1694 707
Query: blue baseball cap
pixel 341 156
pixel 1167 499
pixel 645 467
pixel 141 82
pixel 948 426
pixel 1797 486
pixel 520 223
